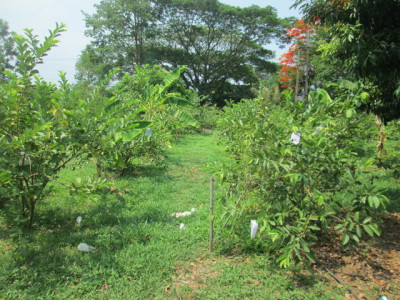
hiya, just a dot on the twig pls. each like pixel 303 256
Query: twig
pixel 338 280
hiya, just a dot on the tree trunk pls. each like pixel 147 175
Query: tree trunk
pixel 98 167
pixel 381 132
pixel 31 212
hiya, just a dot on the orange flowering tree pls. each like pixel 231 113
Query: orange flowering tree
pixel 291 60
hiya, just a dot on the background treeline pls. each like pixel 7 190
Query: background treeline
pixel 224 47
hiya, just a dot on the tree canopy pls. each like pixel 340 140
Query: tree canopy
pixel 223 47
pixel 365 34
pixel 7 49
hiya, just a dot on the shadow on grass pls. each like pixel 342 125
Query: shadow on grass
pixel 52 254
pixel 144 170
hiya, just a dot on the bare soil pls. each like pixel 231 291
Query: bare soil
pixel 373 269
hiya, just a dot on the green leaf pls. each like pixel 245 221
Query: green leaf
pixel 357 216
pixel 376 229
pixel 368 229
pixel 314 227
pixel 373 201
pixel 364 96
pixel 140 124
pixel 346 84
pixel 188 119
pixel 367 220
pixel 355 238
pixel 358 230
pixel 171 78
pixel 177 101
pixel 305 246
pixel 130 136
pixel 310 258
pixel 345 239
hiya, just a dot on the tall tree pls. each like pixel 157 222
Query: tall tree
pixel 365 34
pixel 7 49
pixel 119 29
pixel 224 47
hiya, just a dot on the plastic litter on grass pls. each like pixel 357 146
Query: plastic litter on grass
pixel 183 214
pixel 85 247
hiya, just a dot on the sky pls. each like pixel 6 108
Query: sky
pixel 42 15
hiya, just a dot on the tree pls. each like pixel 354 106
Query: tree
pixel 7 49
pixel 222 46
pixel 119 30
pixel 295 62
pixel 365 34
pixel 32 124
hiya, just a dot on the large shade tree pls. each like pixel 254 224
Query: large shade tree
pixel 119 29
pixel 223 47
pixel 365 35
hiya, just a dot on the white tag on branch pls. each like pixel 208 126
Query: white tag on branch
pixel 181 226
pixel 295 138
pixel 253 228
pixel 148 132
pixel 85 247
pixel 25 160
pixel 79 220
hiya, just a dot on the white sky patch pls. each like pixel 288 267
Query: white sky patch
pixel 42 15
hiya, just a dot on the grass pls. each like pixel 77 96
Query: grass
pixel 140 251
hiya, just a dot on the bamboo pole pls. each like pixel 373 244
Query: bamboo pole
pixel 211 214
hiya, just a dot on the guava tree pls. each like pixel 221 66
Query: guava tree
pixel 295 172
pixel 33 125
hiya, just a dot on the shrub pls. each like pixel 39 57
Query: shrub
pixel 291 162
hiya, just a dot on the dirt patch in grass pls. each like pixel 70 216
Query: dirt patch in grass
pixel 194 276
pixel 190 278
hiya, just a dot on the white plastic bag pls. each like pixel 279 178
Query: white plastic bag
pixel 181 226
pixel 295 138
pixel 253 228
pixel 79 220
pixel 181 214
pixel 148 132
pixel 85 247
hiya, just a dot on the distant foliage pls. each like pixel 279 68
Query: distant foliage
pixel 224 47
pixel 7 49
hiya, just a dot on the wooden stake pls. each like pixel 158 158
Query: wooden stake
pixel 211 214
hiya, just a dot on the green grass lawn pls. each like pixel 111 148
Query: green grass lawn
pixel 141 253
